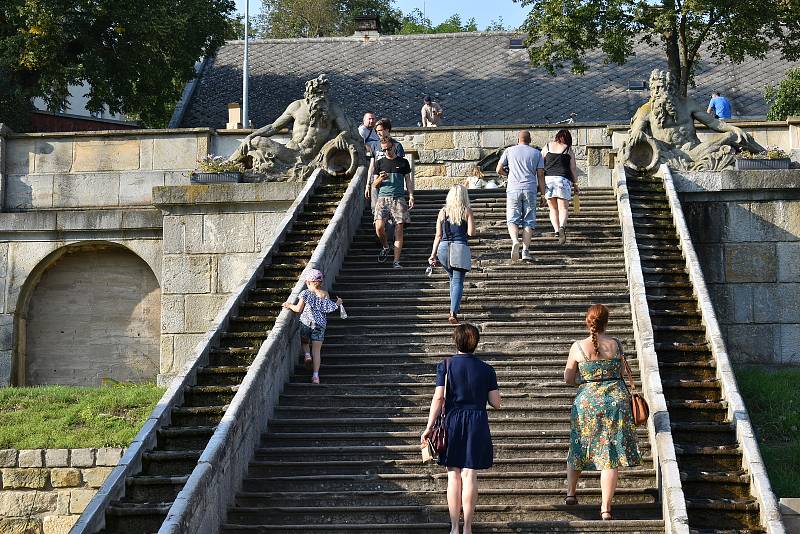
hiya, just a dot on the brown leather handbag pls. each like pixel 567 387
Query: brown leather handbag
pixel 639 408
pixel 438 439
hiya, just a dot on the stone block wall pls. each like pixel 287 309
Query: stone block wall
pixel 44 491
pixel 748 242
pixel 213 234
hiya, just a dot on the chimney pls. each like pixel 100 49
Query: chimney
pixel 367 26
pixel 234 116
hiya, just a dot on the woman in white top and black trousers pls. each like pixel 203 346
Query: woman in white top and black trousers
pixel 560 181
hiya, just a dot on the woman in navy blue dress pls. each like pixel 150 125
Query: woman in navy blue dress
pixel 471 384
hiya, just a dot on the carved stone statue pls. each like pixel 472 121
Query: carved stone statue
pixel 322 136
pixel 662 131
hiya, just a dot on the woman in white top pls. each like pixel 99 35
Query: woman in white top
pixel 560 180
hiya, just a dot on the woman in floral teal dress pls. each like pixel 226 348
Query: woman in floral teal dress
pixel 603 436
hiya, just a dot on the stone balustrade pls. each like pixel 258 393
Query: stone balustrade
pixel 44 491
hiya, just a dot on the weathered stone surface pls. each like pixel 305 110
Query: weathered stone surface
pixel 108 456
pixel 776 220
pixel 422 171
pixel 145 154
pixel 30 458
pixel 750 262
pixel 172 314
pixel 233 270
pixel 743 301
pixel 62 503
pixel 20 154
pixel 201 311
pixel 107 219
pixel 8 458
pixel 26 503
pixel 467 138
pixel 29 191
pixel 167 354
pixel 438 182
pixel 170 153
pixel 82 458
pixel 462 169
pixel 85 190
pixel 59 524
pixel 31 478
pixel 438 140
pixel 267 226
pixel 776 303
pixel 20 525
pixel 788 261
pixel 136 188
pixel 492 139
pixel 426 156
pixel 452 154
pixel 228 232
pixel 6 357
pixel 182 233
pixel 95 476
pixel 472 154
pixel 106 155
pixel 56 457
pixel 65 477
pixel 79 499
pixel 748 343
pixel 711 261
pixel 186 274
pixel 706 220
pixel 185 345
pixel 790 344
pixel 53 155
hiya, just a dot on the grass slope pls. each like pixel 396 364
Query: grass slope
pixel 62 417
pixel 772 396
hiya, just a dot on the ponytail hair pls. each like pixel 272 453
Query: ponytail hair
pixel 596 322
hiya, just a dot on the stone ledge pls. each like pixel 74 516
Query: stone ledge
pixel 81 219
pixel 226 193
pixel 733 180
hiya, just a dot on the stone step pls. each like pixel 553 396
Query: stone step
pixel 145 489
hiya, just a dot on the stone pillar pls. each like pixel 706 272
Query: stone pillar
pixel 794 137
pixel 4 131
pixel 213 234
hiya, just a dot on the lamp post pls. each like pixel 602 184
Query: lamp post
pixel 245 67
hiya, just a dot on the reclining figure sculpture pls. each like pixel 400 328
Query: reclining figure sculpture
pixel 663 131
pixel 321 137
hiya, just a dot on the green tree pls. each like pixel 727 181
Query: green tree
pixel 784 100
pixel 416 22
pixel 563 31
pixel 497 25
pixel 321 18
pixel 135 56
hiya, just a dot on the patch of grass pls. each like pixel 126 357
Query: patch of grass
pixel 772 396
pixel 63 417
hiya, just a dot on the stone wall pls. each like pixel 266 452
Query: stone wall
pixel 44 491
pixel 746 229
pixel 213 234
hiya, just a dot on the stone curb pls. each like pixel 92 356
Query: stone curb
pixel 93 518
pixel 202 504
pixel 673 503
pixel 737 411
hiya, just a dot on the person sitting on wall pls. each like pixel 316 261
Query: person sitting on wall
pixel 431 113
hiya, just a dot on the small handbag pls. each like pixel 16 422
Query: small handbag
pixel 438 439
pixel 639 408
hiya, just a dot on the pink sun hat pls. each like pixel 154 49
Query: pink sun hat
pixel 313 275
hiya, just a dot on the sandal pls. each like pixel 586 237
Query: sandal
pixel 606 516
pixel 571 500
pixel 453 320
pixel 307 361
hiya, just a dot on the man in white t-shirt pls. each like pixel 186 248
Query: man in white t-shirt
pixel 524 166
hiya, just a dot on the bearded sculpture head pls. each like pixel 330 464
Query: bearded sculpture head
pixel 316 96
pixel 662 97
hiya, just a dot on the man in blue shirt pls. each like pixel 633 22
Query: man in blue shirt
pixel 719 106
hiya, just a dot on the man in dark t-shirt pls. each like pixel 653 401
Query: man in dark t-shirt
pixel 392 179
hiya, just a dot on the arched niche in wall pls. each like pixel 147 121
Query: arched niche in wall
pixel 90 311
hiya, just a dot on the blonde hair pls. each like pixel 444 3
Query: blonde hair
pixel 457 204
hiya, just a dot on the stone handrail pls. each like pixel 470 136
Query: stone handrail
pixel 93 518
pixel 737 412
pixel 202 504
pixel 673 505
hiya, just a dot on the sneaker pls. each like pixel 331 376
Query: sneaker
pixel 526 255
pixel 396 265
pixel 383 254
pixel 515 251
pixel 562 236
pixel 315 379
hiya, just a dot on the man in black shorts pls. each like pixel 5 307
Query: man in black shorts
pixel 392 179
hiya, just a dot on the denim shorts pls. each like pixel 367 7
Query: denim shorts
pixel 521 208
pixel 314 334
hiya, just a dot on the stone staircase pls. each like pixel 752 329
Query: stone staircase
pixel 715 483
pixel 166 468
pixel 343 456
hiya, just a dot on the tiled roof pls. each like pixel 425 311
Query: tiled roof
pixel 475 76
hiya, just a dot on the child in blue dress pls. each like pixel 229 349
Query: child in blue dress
pixel 471 383
pixel 313 305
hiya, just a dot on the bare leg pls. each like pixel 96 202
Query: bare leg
pixel 305 343
pixel 380 231
pixel 552 203
pixel 398 240
pixel 527 234
pixel 608 485
pixel 563 212
pixel 572 480
pixel 469 496
pixel 513 231
pixel 454 497
pixel 316 354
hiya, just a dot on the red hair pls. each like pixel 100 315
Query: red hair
pixel 596 321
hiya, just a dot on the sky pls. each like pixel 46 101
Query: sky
pixel 438 10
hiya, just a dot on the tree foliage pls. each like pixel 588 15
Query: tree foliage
pixel 321 18
pixel 135 56
pixel 562 31
pixel 784 100
pixel 416 22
